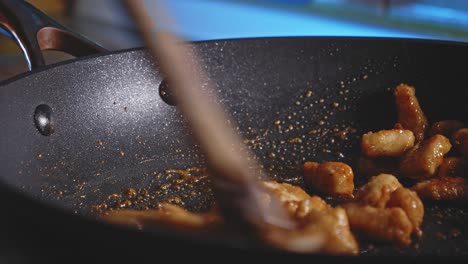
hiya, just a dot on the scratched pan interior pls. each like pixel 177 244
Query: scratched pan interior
pixel 289 97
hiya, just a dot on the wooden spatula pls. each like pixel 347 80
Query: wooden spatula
pixel 232 170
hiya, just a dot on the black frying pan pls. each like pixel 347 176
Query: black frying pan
pixel 111 130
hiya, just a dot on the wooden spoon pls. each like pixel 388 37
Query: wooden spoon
pixel 232 172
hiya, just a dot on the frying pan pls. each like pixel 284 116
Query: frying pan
pixel 81 132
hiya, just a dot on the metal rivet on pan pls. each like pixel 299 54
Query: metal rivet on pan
pixel 43 119
pixel 166 94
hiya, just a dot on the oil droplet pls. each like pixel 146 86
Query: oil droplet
pixel 122 153
pixel 321 122
pixel 321 100
pixel 309 93
pixel 295 140
pixel 125 203
pixel 298 103
pixel 39 156
pixel 131 193
pixel 365 77
pixel 277 123
pixel 271 155
pixel 99 142
pixel 335 104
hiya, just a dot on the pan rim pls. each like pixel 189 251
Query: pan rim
pixel 200 42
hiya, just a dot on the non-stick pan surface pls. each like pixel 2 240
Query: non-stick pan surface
pixel 291 97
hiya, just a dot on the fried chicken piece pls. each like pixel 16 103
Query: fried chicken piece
pixel 331 178
pixel 423 159
pixel 445 127
pixel 445 189
pixel 317 220
pixel 294 198
pixel 335 225
pixel 167 215
pixel 309 170
pixel 381 224
pixel 460 140
pixel 321 228
pixel 410 114
pixel 409 201
pixel 451 167
pixel 285 192
pixel 304 207
pixel 378 190
pixel 387 143
pixel 370 167
pixel 327 231
pixel 296 240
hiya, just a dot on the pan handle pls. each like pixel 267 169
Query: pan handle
pixel 34 32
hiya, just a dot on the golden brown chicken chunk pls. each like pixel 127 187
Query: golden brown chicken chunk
pixel 304 207
pixel 316 218
pixel 460 140
pixel 446 189
pixel 378 190
pixel 423 160
pixel 294 198
pixel 451 167
pixel 285 192
pixel 331 178
pixel 387 143
pixel 327 232
pixel 168 216
pixel 310 168
pixel 409 201
pixel 382 224
pixel 337 232
pixel 321 228
pixel 378 200
pixel 445 127
pixel 410 114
